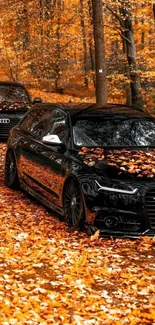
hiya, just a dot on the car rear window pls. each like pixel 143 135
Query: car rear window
pixel 11 93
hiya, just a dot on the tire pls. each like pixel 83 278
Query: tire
pixel 11 173
pixel 73 204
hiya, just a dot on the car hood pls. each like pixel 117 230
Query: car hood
pixel 13 106
pixel 122 163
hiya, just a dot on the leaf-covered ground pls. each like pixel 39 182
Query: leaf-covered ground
pixel 50 276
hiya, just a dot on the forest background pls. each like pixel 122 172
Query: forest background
pixel 48 45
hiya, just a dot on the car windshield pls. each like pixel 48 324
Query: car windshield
pixel 114 132
pixel 9 93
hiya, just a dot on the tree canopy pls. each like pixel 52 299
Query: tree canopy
pixel 50 44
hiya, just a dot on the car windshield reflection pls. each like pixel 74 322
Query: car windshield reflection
pixel 114 132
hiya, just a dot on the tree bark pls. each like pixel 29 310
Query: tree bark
pixel 26 32
pixel 153 9
pixel 84 44
pixel 58 48
pixel 130 51
pixel 101 82
pixel 90 42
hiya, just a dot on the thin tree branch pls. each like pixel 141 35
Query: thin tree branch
pixel 115 14
pixel 119 33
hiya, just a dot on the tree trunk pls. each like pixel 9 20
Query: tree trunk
pixel 25 19
pixel 130 51
pixel 101 82
pixel 41 26
pixel 91 45
pixel 84 44
pixel 58 47
pixel 153 9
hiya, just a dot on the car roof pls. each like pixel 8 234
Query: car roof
pixel 92 109
pixel 11 83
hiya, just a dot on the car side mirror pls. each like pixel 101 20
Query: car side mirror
pixel 53 140
pixel 37 100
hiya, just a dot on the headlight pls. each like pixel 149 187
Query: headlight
pixel 130 190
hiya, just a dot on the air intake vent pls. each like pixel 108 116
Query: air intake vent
pixel 150 206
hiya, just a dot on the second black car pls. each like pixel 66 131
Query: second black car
pixel 14 103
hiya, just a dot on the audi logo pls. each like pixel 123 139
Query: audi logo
pixel 4 120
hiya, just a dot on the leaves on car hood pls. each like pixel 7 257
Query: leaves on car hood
pixel 91 155
pixel 140 163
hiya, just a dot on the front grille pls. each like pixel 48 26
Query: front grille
pixel 5 128
pixel 150 206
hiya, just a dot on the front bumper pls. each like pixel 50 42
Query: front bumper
pixel 119 214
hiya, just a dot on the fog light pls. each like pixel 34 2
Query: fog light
pixel 111 221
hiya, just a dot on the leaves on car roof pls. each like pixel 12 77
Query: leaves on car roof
pixel 14 106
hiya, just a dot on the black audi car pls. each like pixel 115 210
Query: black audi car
pixel 94 165
pixel 14 103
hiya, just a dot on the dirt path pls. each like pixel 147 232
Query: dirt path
pixel 49 276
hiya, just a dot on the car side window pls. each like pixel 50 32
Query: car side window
pixel 39 124
pixel 58 125
pixel 27 121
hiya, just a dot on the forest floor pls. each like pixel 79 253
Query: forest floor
pixel 49 276
pixel 73 93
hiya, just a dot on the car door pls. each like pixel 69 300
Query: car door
pixel 30 147
pixel 45 165
pixel 54 159
pixel 24 139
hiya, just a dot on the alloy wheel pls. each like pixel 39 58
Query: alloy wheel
pixel 11 175
pixel 73 204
